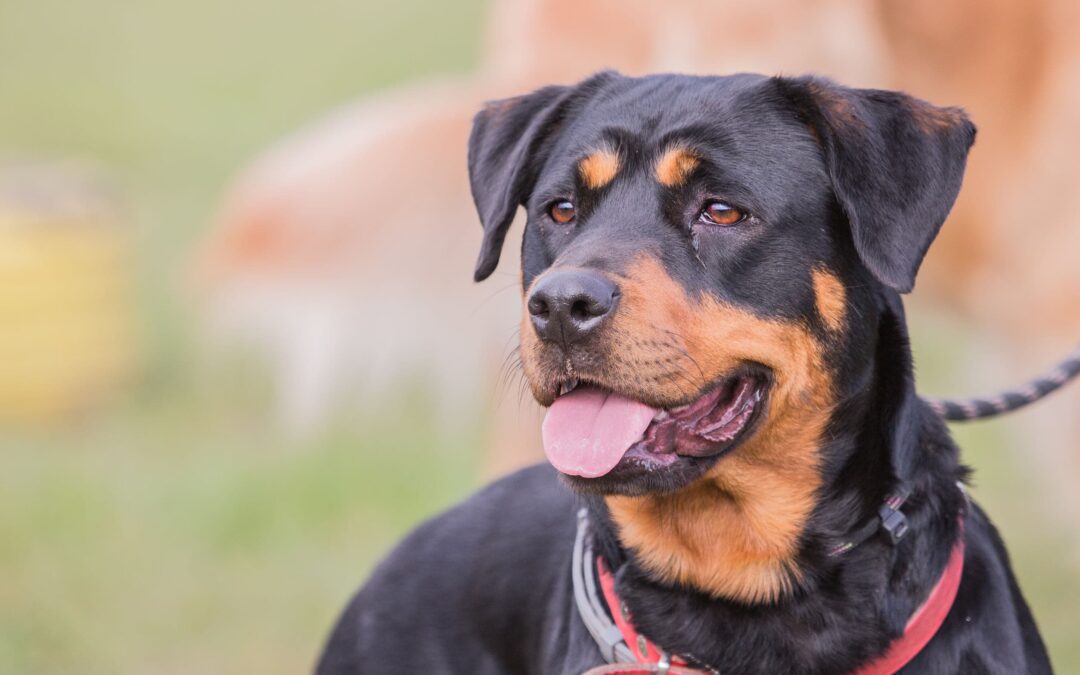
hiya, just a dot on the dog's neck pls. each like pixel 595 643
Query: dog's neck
pixel 735 533
pixel 752 539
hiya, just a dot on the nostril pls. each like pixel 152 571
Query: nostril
pixel 582 309
pixel 538 306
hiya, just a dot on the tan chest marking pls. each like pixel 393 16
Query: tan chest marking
pixel 735 532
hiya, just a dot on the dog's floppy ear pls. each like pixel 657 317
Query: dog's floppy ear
pixel 503 162
pixel 896 164
pixel 507 147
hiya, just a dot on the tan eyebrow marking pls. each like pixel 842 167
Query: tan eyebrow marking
pixel 675 165
pixel 599 168
pixel 830 298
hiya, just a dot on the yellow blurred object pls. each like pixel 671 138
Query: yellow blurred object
pixel 66 314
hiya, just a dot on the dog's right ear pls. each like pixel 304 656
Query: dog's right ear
pixel 503 162
pixel 507 147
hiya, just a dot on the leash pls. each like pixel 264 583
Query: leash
pixel 966 409
pixel 628 652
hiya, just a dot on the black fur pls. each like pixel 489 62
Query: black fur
pixel 851 179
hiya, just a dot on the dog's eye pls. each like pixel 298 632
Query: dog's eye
pixel 720 213
pixel 562 212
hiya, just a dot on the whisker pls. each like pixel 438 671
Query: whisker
pixel 511 366
pixel 684 352
pixel 491 296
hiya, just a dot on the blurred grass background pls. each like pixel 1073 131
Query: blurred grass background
pixel 176 533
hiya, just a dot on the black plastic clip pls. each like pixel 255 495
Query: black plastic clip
pixel 893 520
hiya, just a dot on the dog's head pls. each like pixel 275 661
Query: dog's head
pixel 706 264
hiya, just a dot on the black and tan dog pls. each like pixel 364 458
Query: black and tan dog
pixel 712 270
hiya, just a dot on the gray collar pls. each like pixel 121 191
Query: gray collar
pixel 590 608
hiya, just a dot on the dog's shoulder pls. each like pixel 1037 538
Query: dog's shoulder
pixel 486 568
pixel 997 627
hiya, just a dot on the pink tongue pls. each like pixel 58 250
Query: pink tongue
pixel 587 431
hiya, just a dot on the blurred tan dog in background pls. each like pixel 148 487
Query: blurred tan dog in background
pixel 344 252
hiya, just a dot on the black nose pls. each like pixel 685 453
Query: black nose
pixel 566 306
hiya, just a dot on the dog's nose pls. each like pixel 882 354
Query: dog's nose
pixel 567 306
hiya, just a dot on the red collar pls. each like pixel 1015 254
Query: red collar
pixel 921 627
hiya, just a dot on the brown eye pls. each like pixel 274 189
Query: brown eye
pixel 720 213
pixel 562 212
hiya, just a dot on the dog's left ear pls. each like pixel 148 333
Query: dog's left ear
pixel 896 164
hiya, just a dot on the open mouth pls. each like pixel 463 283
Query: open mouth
pixel 589 431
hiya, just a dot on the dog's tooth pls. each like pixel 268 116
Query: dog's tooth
pixel 660 416
pixel 568 386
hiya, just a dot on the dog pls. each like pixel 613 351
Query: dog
pixel 711 272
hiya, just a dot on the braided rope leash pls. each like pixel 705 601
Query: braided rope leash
pixel 966 409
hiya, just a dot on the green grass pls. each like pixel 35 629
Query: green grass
pixel 176 532
pixel 143 545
